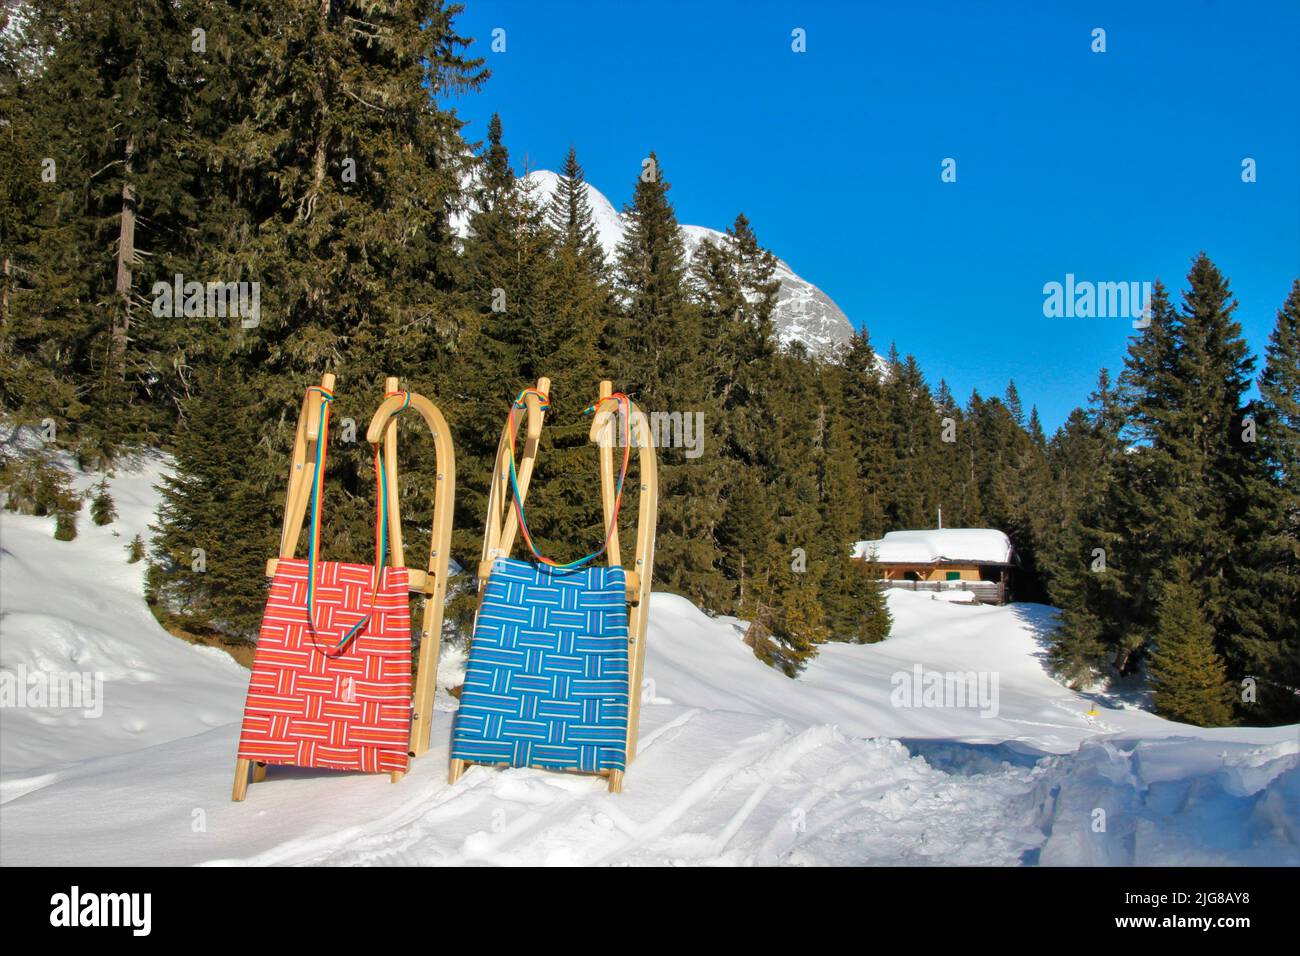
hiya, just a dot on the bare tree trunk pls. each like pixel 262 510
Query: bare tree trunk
pixel 4 292
pixel 125 260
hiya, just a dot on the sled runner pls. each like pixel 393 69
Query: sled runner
pixel 332 671
pixel 554 672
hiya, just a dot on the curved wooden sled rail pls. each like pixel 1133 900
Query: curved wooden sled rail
pixel 433 583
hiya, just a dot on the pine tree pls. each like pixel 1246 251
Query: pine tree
pixel 854 606
pixel 1013 404
pixel 1188 678
pixel 657 348
pixel 103 171
pixel 566 345
pixel 1271 649
pixel 570 216
pixel 102 509
pixel 334 174
pixel 736 293
pixel 1189 494
pixel 198 568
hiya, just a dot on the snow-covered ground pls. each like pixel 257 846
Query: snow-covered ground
pixel 850 764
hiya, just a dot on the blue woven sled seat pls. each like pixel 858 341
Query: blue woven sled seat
pixel 546 681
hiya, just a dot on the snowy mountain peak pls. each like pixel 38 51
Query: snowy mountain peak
pixel 804 313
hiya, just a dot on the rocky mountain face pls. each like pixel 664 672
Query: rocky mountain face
pixel 804 313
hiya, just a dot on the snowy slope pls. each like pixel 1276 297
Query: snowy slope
pixel 76 608
pixel 738 765
pixel 803 313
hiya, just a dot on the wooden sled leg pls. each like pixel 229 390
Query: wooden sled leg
pixel 456 768
pixel 616 781
pixel 259 771
pixel 396 776
pixel 241 780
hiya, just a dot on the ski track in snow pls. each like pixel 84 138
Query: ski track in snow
pixel 737 765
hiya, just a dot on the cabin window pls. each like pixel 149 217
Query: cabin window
pixel 954 575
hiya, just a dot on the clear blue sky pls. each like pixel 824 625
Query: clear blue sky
pixel 1115 166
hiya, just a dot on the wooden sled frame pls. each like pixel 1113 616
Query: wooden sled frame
pixel 502 525
pixel 431 583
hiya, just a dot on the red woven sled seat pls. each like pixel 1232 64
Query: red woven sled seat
pixel 342 711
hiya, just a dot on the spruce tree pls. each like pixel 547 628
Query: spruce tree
pixel 1013 404
pixel 1271 651
pixel 915 431
pixel 657 348
pixel 1188 678
pixel 104 169
pixel 503 276
pixel 734 285
pixel 102 509
pixel 863 403
pixel 332 174
pixel 1083 455
pixel 1187 500
pixel 800 627
pixel 745 534
pixel 1279 387
pixel 570 216
pixel 854 606
pixel 566 345
pixel 225 478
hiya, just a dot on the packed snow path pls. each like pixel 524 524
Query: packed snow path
pixel 737 765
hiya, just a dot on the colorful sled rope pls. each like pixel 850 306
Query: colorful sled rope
pixel 625 412
pixel 381 522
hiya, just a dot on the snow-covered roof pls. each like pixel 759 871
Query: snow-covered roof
pixel 977 545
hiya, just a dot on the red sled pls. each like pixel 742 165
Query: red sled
pixel 331 681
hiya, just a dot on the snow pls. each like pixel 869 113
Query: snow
pixel 76 609
pixel 853 763
pixel 977 545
